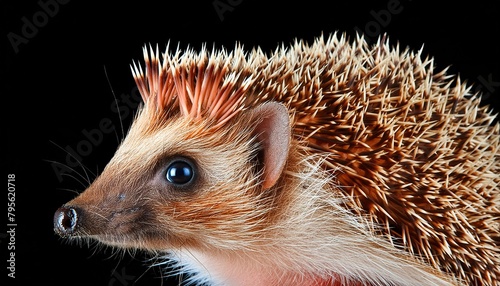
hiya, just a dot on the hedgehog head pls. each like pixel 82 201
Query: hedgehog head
pixel 193 168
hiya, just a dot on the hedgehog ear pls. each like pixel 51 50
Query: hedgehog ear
pixel 273 132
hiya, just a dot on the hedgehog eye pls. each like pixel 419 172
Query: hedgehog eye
pixel 180 172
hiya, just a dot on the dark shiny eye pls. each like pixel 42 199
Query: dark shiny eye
pixel 180 173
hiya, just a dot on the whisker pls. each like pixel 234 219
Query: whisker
pixel 69 190
pixel 85 169
pixel 85 178
pixel 116 102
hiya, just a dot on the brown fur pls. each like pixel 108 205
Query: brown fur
pixel 390 174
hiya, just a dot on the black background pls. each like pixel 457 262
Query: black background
pixel 54 88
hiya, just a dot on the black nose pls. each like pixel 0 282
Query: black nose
pixel 66 221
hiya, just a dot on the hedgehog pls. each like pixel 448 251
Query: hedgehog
pixel 333 162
